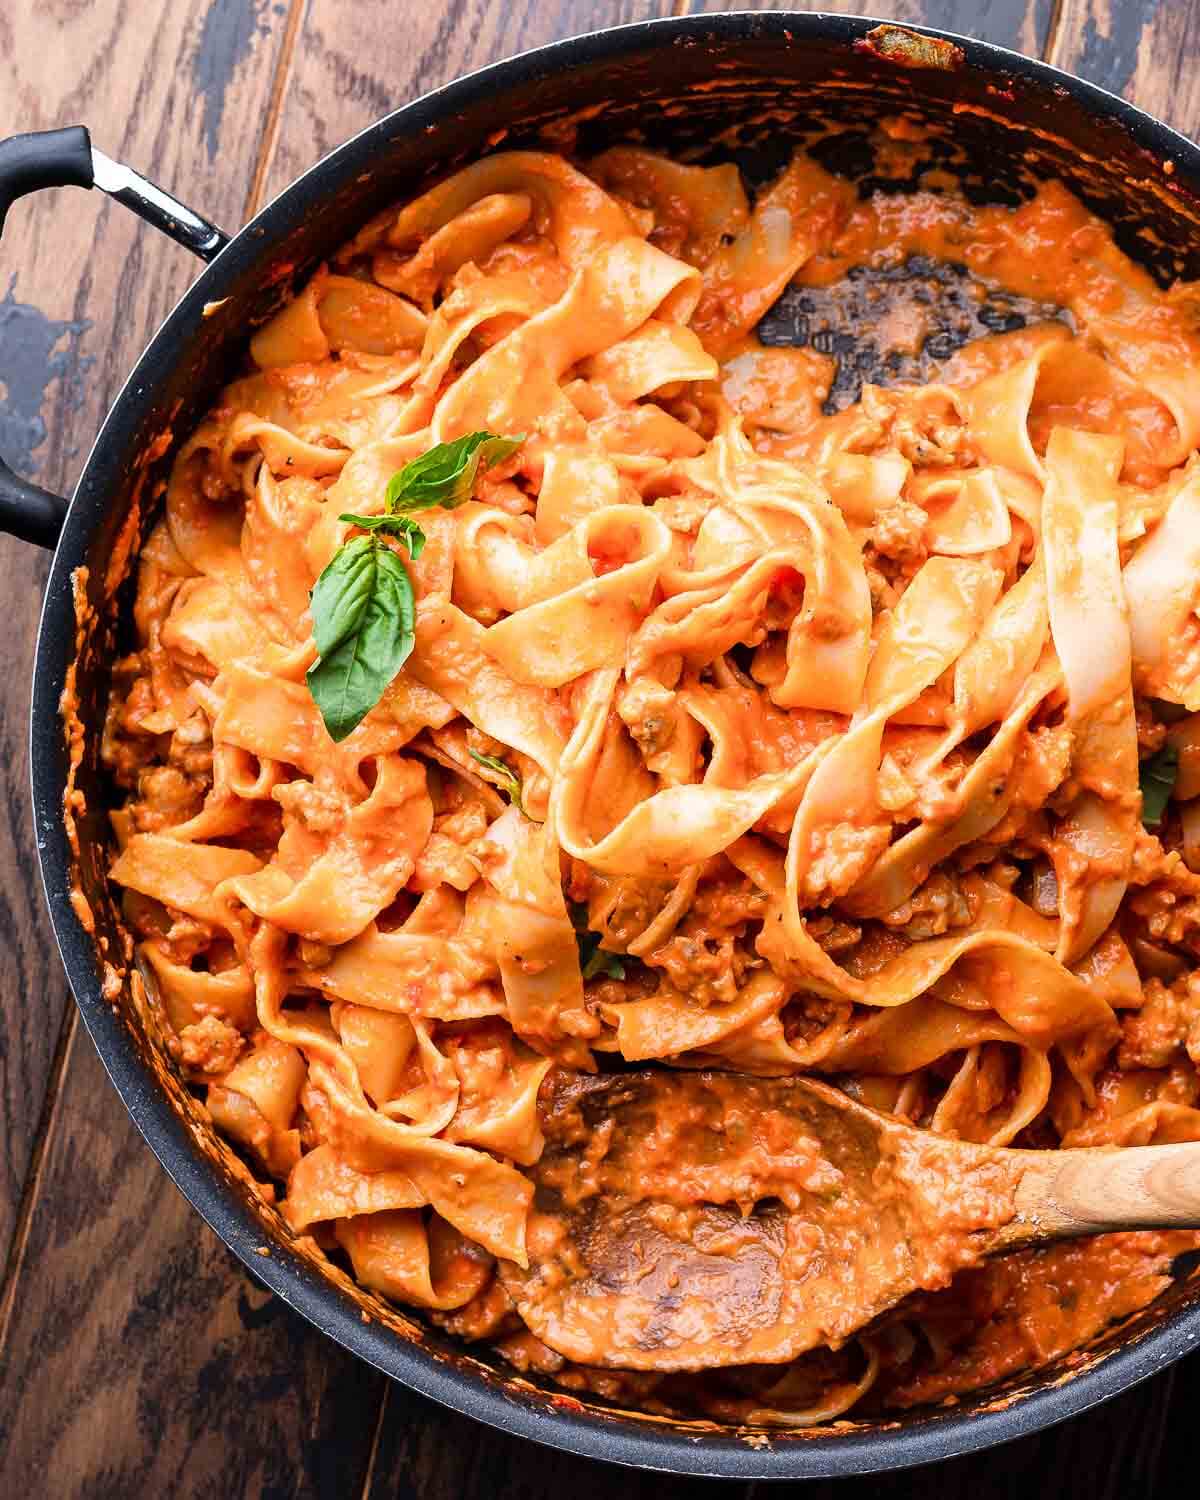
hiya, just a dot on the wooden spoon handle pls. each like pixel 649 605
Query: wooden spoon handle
pixel 1064 1193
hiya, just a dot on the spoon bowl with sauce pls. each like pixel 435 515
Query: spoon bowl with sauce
pixel 685 1220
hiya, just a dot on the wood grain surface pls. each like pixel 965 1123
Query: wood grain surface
pixel 137 1358
pixel 83 285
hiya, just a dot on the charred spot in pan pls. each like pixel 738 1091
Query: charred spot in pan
pixel 980 193
pixel 849 153
pixel 942 305
pixel 761 162
pixel 1185 1265
pixel 997 317
pixel 864 158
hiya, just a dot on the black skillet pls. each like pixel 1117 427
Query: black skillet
pixel 750 86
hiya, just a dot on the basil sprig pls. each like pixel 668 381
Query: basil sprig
pixel 1157 777
pixel 445 477
pixel 363 606
pixel 510 782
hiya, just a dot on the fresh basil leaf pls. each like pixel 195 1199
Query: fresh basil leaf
pixel 402 527
pixel 446 475
pixel 510 782
pixel 363 616
pixel 1157 779
pixel 340 595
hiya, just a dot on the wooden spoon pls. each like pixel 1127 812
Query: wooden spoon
pixel 684 1220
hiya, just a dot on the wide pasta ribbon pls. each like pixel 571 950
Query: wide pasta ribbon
pixel 671 829
pixel 483 1197
pixel 576 214
pixel 936 618
pixel 520 919
pixel 1090 629
pixel 339 866
pixel 1162 585
pixel 451 658
pixel 828 642
pixel 513 387
pixel 570 618
pixel 981 800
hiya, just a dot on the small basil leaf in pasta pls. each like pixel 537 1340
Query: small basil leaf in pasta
pixel 403 528
pixel 597 961
pixel 593 959
pixel 510 782
pixel 1157 779
pixel 363 613
pixel 446 475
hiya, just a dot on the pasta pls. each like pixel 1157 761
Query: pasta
pixel 532 675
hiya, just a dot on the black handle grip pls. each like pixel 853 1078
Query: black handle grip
pixel 47 158
pixel 29 512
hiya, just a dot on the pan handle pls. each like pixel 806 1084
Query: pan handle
pixel 67 158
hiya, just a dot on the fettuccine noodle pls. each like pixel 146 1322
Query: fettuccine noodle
pixel 826 727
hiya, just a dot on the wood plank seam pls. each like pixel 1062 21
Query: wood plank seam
pixel 1053 29
pixel 55 1082
pixel 270 134
pixel 33 1177
pixel 63 481
pixel 106 1278
pixel 376 1438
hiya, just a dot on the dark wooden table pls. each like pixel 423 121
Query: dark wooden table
pixel 136 1356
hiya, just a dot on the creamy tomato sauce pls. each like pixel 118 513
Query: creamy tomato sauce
pixel 740 716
